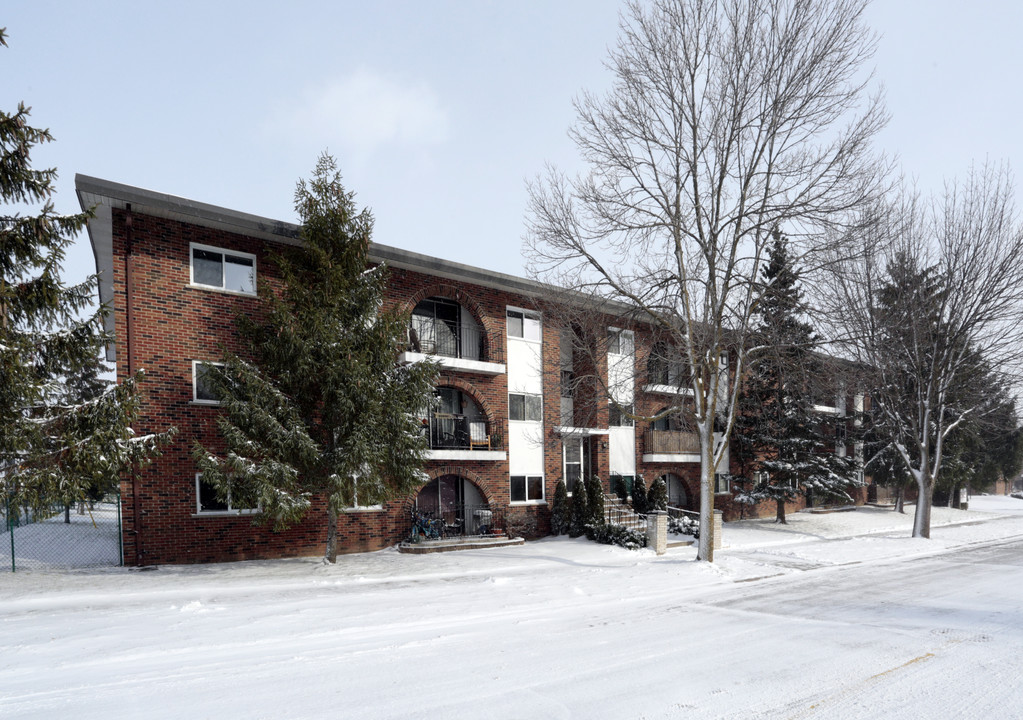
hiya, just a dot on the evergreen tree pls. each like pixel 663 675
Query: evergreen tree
pixel 619 488
pixel 560 512
pixel 594 501
pixel 640 504
pixel 318 408
pixel 580 510
pixel 777 421
pixel 657 498
pixel 55 442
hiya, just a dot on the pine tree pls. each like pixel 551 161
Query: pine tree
pixel 55 444
pixel 619 488
pixel 777 424
pixel 594 502
pixel 318 407
pixel 640 503
pixel 580 508
pixel 560 513
pixel 657 498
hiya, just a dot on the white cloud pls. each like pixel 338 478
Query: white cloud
pixel 366 111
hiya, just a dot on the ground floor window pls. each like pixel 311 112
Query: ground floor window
pixel 527 488
pixel 722 483
pixel 208 502
pixel 573 456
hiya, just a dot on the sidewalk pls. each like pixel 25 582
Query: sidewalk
pixel 866 534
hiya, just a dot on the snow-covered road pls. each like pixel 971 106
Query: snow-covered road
pixel 819 625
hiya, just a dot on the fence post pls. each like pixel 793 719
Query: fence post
pixel 10 524
pixel 120 530
pixel 718 528
pixel 657 531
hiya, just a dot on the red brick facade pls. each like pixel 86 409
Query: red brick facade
pixel 163 323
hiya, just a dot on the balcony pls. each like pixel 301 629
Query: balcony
pixel 459 437
pixel 671 446
pixel 454 345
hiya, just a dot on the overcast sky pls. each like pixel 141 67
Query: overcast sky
pixel 438 112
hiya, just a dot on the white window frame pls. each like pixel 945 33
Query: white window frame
pixel 621 333
pixel 192 247
pixel 195 381
pixel 718 477
pixel 565 463
pixel 361 508
pixel 229 511
pixel 624 410
pixel 525 405
pixel 542 500
pixel 526 315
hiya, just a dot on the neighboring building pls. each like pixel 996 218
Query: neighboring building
pixel 509 419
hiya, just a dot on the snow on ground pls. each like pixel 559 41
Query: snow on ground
pixel 834 616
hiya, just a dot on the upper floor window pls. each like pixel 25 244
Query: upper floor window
pixel 525 407
pixel 222 269
pixel 523 324
pixel 619 415
pixel 665 367
pixel 619 342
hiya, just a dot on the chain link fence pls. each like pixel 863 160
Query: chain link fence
pixel 58 537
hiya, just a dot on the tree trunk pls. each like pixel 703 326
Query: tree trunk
pixel 900 499
pixel 705 550
pixel 922 518
pixel 780 511
pixel 331 553
pixel 67 514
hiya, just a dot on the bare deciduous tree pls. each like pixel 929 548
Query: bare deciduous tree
pixel 933 309
pixel 727 119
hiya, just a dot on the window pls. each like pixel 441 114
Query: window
pixel 619 415
pixel 223 269
pixel 206 499
pixel 619 342
pixel 525 407
pixel 840 439
pixel 573 463
pixel 722 483
pixel 355 501
pixel 523 324
pixel 202 389
pixel 527 488
pixel 567 384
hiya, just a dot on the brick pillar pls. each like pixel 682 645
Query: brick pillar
pixel 718 529
pixel 657 531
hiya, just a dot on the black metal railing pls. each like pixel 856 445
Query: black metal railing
pixel 456 520
pixel 447 339
pixel 448 431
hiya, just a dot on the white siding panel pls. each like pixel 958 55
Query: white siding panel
pixel 525 373
pixel 525 448
pixel 622 447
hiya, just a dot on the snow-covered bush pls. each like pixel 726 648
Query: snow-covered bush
pixel 610 534
pixel 684 525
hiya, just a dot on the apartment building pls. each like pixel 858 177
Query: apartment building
pixel 512 413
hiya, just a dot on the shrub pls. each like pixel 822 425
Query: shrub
pixel 618 487
pixel 684 525
pixel 640 502
pixel 608 534
pixel 560 512
pixel 657 498
pixel 580 508
pixel 594 502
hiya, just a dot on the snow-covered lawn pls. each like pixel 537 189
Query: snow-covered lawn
pixel 835 616
pixel 88 540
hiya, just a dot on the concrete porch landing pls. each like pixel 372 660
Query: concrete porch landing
pixel 469 543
